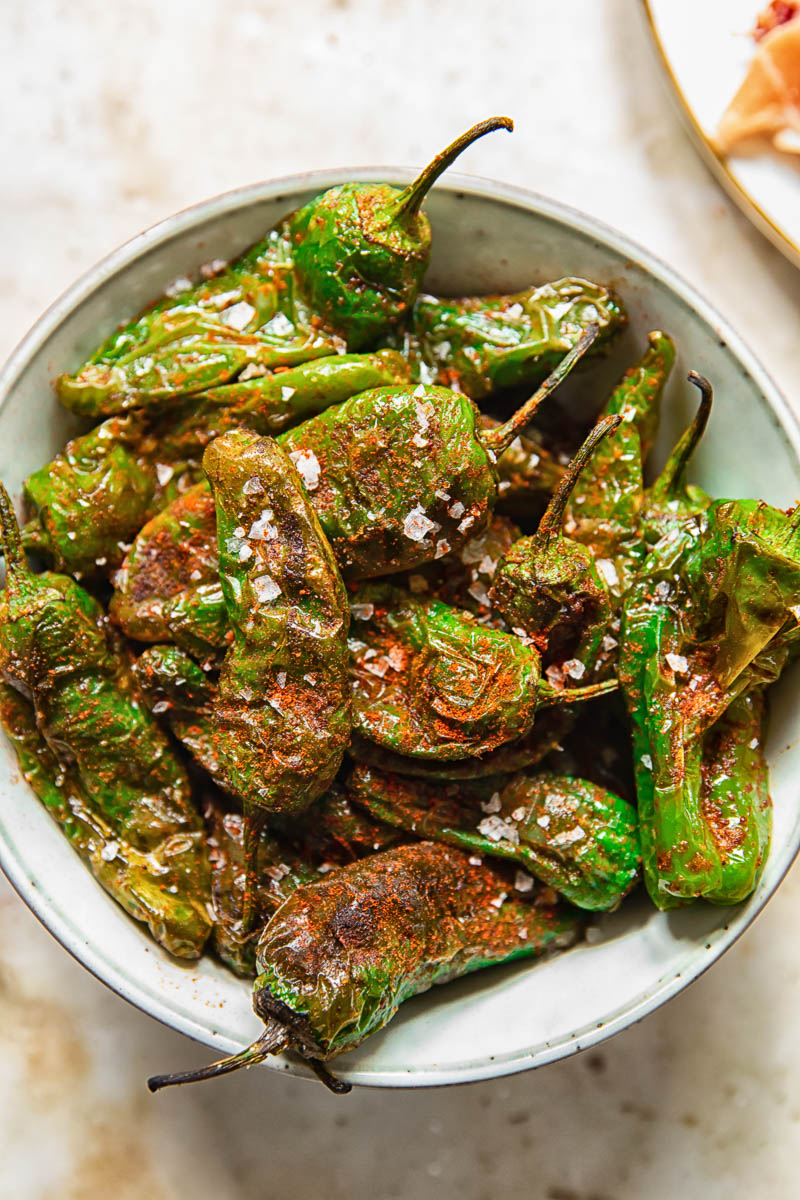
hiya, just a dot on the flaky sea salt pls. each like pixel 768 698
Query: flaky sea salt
pixel 417 526
pixel 362 612
pixel 252 486
pixel 523 882
pixel 266 588
pixel 492 805
pixel 238 316
pixel 574 668
pixel 609 572
pixel 164 473
pixel 263 530
pixel 646 761
pixel 677 663
pixel 456 510
pixel 442 548
pixel 308 466
pixel 109 851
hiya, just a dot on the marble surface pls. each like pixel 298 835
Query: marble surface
pixel 123 113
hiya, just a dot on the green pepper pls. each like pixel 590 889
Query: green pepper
pixel 247 318
pixel 479 344
pixel 92 499
pixel 431 682
pixel 390 499
pixel 570 834
pixel 549 586
pixel 710 618
pixel 551 726
pixel 55 648
pixel 164 887
pixel 340 956
pixel 360 250
pixel 605 515
pixel 282 711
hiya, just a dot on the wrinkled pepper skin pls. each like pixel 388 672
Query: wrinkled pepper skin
pixel 551 726
pixel 361 250
pixel 605 513
pixel 391 467
pixel 282 713
pixel 549 587
pixel 431 682
pixel 279 871
pixel 250 315
pixel 681 666
pixel 480 344
pixel 92 499
pixel 177 688
pixel 55 648
pixel 572 835
pixel 338 959
pixel 387 928
pixel 735 796
pixel 166 887
pixel 168 587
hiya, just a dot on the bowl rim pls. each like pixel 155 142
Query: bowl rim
pixel 509 195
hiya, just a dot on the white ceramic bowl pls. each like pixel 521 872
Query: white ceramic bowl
pixel 486 237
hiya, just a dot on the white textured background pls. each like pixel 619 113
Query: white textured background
pixel 116 114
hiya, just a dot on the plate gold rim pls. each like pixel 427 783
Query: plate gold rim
pixel 714 161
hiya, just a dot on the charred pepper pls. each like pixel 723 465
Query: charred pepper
pixel 429 681
pixel 340 956
pixel 570 834
pixel 54 647
pixel 549 586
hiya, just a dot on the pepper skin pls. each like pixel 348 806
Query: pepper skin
pixel 389 500
pixel 570 834
pixel 431 682
pixel 92 499
pixel 711 617
pixel 605 514
pixel 479 344
pixel 248 317
pixel 361 250
pixel 549 586
pixel 55 648
pixel 165 887
pixel 340 956
pixel 282 713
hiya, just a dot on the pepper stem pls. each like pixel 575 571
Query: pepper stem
pixel 273 1040
pixel 10 537
pixel 553 518
pixel 673 477
pixel 500 438
pixel 547 694
pixel 409 202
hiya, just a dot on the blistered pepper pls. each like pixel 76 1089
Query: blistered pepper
pixel 92 499
pixel 479 344
pixel 165 886
pixel 570 834
pixel 549 586
pixel 54 646
pixel 340 956
pixel 282 710
pixel 429 681
pixel 361 250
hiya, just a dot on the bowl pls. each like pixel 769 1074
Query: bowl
pixel 486 237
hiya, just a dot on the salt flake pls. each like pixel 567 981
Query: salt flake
pixel 417 526
pixel 266 588
pixel 308 466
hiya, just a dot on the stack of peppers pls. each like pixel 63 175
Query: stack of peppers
pixel 310 657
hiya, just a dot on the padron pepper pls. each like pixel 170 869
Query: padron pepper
pixel 711 617
pixel 479 344
pixel 570 834
pixel 549 586
pixel 360 250
pixel 340 956
pixel 431 682
pixel 282 710
pixel 91 500
pixel 370 486
pixel 334 275
pixel 604 515
pixel 165 886
pixel 54 648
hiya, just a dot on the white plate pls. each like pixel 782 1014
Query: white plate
pixel 486 236
pixel 705 51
